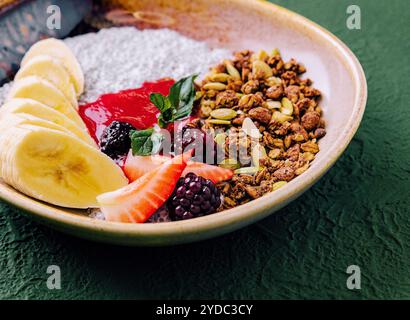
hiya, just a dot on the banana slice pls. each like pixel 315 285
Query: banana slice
pixel 13 120
pixel 58 49
pixel 37 109
pixel 36 88
pixel 56 167
pixel 52 70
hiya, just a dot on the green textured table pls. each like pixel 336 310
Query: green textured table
pixel 358 214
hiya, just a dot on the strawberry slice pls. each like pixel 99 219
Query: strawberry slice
pixel 137 201
pixel 137 166
pixel 214 173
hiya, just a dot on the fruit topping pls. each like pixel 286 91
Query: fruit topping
pixel 193 197
pixel 58 50
pixel 55 166
pixel 39 110
pixel 132 106
pixel 139 200
pixel 36 88
pixel 137 166
pixel 115 141
pixel 214 173
pixel 173 107
pixel 192 137
pixel 52 70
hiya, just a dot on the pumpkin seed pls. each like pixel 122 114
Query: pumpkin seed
pixel 270 104
pixel 220 138
pixel 273 81
pixel 275 52
pixel 230 164
pixel 287 107
pixel 258 153
pixel 280 117
pixel 219 77
pixel 247 170
pixel 298 137
pixel 233 72
pixel 223 114
pixel 217 121
pixel 261 55
pixel 205 111
pixel 259 66
pixel 250 128
pixel 218 86
pixel 278 185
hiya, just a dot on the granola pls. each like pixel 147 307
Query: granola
pixel 270 98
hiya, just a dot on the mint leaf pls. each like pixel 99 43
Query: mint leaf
pixel 182 96
pixel 164 106
pixel 145 142
pixel 156 139
pixel 178 104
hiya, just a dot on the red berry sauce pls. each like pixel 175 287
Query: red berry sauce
pixel 132 106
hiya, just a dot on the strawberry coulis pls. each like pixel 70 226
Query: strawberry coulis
pixel 132 106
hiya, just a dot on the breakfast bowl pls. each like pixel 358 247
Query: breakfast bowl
pixel 232 25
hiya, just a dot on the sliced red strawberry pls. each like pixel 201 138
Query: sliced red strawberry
pixel 137 201
pixel 137 166
pixel 214 173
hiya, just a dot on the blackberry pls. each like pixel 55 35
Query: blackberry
pixel 115 140
pixel 195 138
pixel 193 197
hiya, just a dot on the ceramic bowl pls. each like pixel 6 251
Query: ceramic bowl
pixel 234 24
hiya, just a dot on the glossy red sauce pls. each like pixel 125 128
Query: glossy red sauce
pixel 132 106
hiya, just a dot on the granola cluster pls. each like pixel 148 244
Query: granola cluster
pixel 261 91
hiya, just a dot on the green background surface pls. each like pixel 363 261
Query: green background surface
pixel 358 214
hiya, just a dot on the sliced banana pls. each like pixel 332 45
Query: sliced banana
pixel 36 88
pixel 52 70
pixel 56 167
pixel 58 49
pixel 16 119
pixel 37 109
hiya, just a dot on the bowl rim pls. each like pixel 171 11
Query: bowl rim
pixel 242 215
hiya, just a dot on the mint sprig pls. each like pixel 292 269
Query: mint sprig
pixel 165 107
pixel 177 105
pixel 182 96
pixel 145 142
